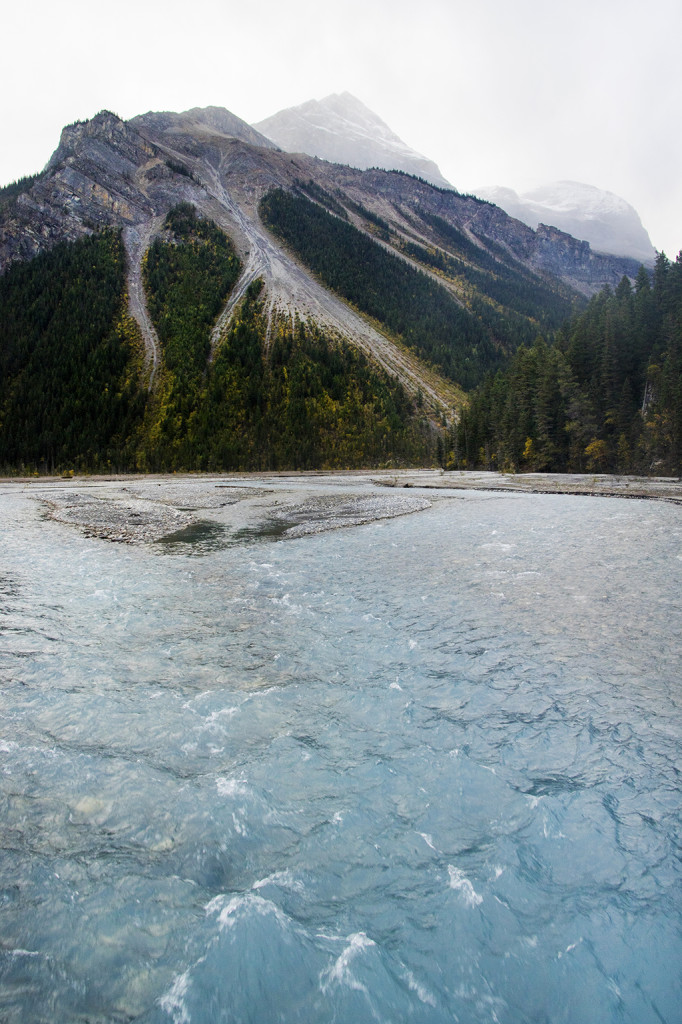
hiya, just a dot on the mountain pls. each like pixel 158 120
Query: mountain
pixel 343 130
pixel 176 293
pixel 603 219
pixel 197 121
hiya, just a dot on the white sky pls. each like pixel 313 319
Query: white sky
pixel 497 92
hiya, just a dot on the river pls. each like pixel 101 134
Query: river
pixel 424 768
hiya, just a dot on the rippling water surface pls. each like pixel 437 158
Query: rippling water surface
pixel 426 769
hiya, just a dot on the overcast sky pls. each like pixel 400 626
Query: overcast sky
pixel 496 92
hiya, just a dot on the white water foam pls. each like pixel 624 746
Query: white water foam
pixel 423 993
pixel 173 1001
pixel 231 787
pixel 340 973
pixel 462 884
pixel 428 840
pixel 283 879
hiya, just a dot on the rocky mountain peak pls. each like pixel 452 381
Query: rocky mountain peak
pixel 341 129
pixel 104 125
pixel 110 172
pixel 198 120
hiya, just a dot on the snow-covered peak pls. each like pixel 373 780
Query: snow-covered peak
pixel 605 220
pixel 340 128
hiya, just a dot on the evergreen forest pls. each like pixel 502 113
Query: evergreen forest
pixel 409 303
pixel 603 394
pixel 499 305
pixel 277 394
pixel 70 359
pixel 554 384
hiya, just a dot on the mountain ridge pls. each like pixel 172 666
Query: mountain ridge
pixel 212 119
pixel 176 296
pixel 342 130
pixel 607 221
pixel 136 152
pixel 110 173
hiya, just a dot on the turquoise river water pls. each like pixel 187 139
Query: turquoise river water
pixel 425 769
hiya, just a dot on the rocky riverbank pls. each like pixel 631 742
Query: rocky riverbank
pixel 234 508
pixel 604 485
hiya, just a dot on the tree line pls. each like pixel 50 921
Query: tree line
pixel 499 305
pixel 604 394
pixel 408 302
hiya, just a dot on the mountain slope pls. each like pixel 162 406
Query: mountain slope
pixel 606 396
pixel 605 220
pixel 72 392
pixel 70 358
pixel 486 283
pixel 343 130
pixel 411 304
pixel 193 123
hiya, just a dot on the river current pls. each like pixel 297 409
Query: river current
pixel 424 769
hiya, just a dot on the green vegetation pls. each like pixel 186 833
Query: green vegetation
pixel 72 387
pixel 445 191
pixel 10 193
pixel 605 395
pixel 179 168
pixel 382 226
pixel 518 291
pixel 502 305
pixel 312 403
pixel 602 393
pixel 320 195
pixel 69 356
pixel 188 280
pixel 408 302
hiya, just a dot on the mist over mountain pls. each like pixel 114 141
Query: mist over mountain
pixel 341 129
pixel 177 292
pixel 107 172
pixel 605 220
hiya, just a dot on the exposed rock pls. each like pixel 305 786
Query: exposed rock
pixel 89 183
pixel 129 520
pixel 332 512
pixel 110 173
pixel 164 509
pixel 575 262
pixel 606 221
pixel 197 120
pixel 343 130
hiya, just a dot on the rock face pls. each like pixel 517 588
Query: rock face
pixel 601 218
pixel 89 183
pixel 574 262
pixel 343 130
pixel 108 172
pixel 198 121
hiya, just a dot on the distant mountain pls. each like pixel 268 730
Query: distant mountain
pixel 176 292
pixel 343 130
pixel 602 218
